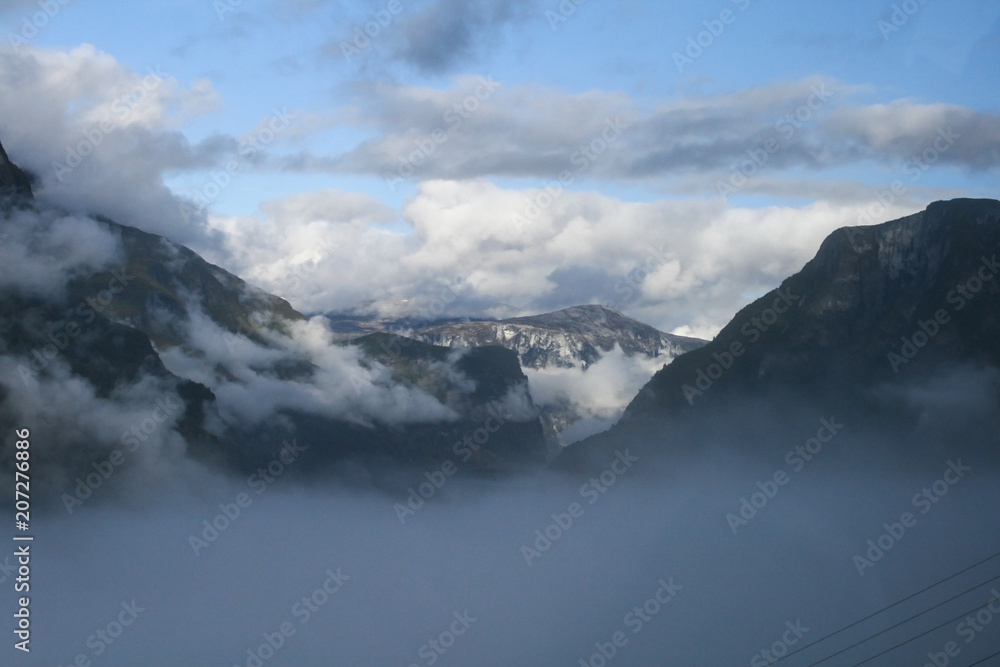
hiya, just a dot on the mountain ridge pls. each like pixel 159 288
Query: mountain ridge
pixel 151 313
pixel 877 306
pixel 577 336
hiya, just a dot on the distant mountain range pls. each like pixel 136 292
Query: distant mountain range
pixel 180 319
pixel 885 326
pixel 571 338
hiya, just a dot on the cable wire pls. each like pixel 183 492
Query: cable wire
pixel 926 632
pixel 876 613
pixel 893 627
pixel 979 662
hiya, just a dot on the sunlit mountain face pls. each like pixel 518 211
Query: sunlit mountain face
pixel 499 333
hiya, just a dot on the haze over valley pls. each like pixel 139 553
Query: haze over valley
pixel 499 333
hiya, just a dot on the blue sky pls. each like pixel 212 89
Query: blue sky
pixel 892 76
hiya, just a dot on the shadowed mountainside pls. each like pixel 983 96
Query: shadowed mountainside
pixel 881 312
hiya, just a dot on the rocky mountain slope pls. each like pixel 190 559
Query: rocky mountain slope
pixel 883 320
pixel 124 312
pixel 571 338
pixel 551 345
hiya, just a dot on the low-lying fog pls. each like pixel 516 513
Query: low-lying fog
pixel 650 571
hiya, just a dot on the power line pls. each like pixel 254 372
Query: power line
pixel 894 604
pixel 979 662
pixel 893 627
pixel 926 632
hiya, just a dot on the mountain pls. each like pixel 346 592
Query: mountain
pixel 552 346
pixel 882 321
pixel 124 318
pixel 13 181
pixel 557 349
pixel 157 280
pixel 571 338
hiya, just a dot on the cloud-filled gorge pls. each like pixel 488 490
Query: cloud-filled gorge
pixel 499 333
pixel 763 534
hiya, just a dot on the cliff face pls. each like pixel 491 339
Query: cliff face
pixel 885 305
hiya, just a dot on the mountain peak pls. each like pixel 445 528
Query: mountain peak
pixel 880 314
pixel 941 220
pixel 571 337
pixel 866 290
pixel 593 319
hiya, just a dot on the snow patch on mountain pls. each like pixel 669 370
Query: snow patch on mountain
pixel 571 338
pixel 584 364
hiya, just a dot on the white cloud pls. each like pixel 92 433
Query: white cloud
pixel 680 265
pixel 100 135
pixel 673 264
pixel 597 394
pixel 79 426
pixel 40 251
pixel 252 382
